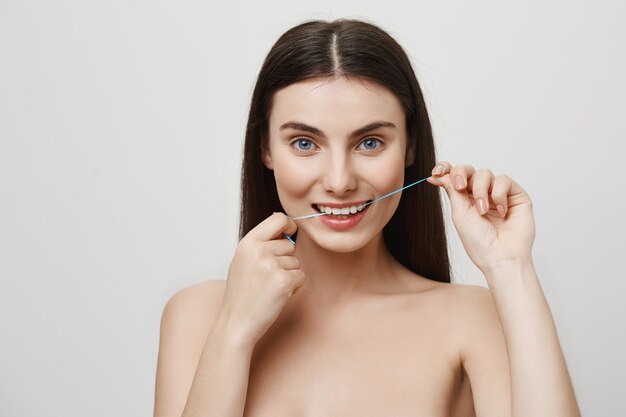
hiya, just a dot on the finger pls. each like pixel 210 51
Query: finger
pixel 501 188
pixel 480 185
pixel 442 168
pixel 460 176
pixel 280 247
pixel 297 277
pixel 274 226
pixel 288 262
pixel 460 200
pixel 435 181
pixel 517 189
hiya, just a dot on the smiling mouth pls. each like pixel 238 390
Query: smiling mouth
pixel 343 212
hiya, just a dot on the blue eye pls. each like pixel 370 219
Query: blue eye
pixel 303 144
pixel 370 144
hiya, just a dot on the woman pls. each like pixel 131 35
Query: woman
pixel 359 317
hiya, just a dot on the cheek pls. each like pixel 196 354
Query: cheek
pixel 385 174
pixel 293 177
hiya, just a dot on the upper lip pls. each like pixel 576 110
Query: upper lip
pixel 342 205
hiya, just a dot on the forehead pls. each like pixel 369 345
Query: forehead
pixel 335 103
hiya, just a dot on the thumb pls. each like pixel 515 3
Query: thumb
pixel 459 199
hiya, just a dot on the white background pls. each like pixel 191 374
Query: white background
pixel 121 129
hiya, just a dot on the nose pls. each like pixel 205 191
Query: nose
pixel 338 176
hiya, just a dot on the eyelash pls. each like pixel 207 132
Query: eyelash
pixel 380 142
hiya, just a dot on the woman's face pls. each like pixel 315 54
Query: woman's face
pixel 335 143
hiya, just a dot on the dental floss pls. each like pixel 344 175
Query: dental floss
pixel 366 204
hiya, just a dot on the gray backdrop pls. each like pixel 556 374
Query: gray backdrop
pixel 121 128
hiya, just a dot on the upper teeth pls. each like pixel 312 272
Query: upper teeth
pixel 344 210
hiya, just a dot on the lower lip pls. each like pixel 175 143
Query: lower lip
pixel 343 224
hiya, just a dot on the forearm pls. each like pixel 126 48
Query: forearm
pixel 540 382
pixel 221 380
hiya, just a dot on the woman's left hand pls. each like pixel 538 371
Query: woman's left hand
pixel 492 215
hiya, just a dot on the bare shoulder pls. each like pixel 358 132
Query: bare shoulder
pixel 470 295
pixel 186 321
pixel 479 338
pixel 201 289
pixel 478 315
pixel 466 310
pixel 462 295
pixel 194 306
pixel 472 306
pixel 198 293
pixel 470 313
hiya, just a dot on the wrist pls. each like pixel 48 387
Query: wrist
pixel 508 264
pixel 509 271
pixel 231 334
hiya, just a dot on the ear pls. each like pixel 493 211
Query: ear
pixel 410 157
pixel 266 157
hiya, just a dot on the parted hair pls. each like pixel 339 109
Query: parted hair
pixel 358 50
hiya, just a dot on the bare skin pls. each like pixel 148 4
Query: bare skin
pixel 376 354
pixel 362 335
pixel 335 325
pixel 397 351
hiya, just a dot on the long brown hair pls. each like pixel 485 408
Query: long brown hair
pixel 415 235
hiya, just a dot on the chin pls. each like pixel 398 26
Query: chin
pixel 341 242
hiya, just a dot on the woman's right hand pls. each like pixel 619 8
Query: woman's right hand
pixel 262 275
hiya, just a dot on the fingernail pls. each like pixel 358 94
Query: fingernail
pixel 459 183
pixel 482 209
pixel 438 170
pixel 500 210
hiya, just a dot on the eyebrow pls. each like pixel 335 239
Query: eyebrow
pixel 315 131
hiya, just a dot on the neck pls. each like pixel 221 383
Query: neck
pixel 334 277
